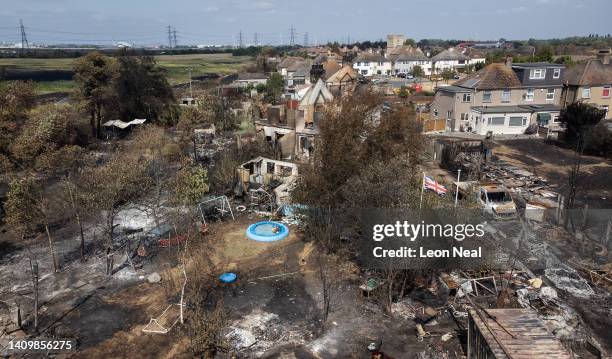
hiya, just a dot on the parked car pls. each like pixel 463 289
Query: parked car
pixel 409 76
pixel 401 75
pixel 493 198
pixel 456 76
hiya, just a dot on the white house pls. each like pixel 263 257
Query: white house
pixel 404 58
pixel 449 59
pixel 508 120
pixel 372 64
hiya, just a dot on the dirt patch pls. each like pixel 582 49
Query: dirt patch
pixel 554 163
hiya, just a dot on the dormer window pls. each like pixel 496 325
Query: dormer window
pixel 556 73
pixel 537 74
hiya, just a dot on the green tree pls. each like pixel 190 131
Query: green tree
pixel 274 87
pixel 410 42
pixel 447 74
pixel 143 90
pixel 417 71
pixel 578 119
pixel 94 74
pixel 191 184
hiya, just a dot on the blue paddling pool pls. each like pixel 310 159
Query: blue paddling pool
pixel 267 231
pixel 228 277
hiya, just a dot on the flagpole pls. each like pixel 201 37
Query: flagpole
pixel 457 193
pixel 422 190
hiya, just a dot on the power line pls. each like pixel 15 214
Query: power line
pixel 306 39
pixel 174 37
pixel 255 40
pixel 24 38
pixel 240 42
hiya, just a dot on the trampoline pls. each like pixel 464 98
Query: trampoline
pixel 267 231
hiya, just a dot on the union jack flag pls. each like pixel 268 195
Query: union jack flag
pixel 431 184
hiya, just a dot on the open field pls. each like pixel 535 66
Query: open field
pixel 50 74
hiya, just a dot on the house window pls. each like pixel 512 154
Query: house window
pixel 586 92
pixel 529 95
pixel 449 114
pixel 556 73
pixel 486 96
pixel 550 94
pixel 462 116
pixel 606 92
pixel 537 74
pixel 497 121
pixel 605 109
pixel 467 97
pixel 505 96
pixel 517 121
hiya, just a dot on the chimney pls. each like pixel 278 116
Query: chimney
pixel 509 61
pixel 604 56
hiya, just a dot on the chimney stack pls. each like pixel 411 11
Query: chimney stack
pixel 604 56
pixel 509 61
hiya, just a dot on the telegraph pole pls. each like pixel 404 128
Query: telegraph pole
pixel 24 38
pixel 292 36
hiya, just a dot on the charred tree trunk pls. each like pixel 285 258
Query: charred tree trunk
pixel 51 250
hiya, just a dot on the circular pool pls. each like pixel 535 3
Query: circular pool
pixel 267 231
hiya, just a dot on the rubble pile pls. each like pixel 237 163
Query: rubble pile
pixel 521 182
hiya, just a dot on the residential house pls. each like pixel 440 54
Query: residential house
pixel 475 56
pixel 501 98
pixel 342 80
pixel 405 58
pixel 295 70
pixel 370 64
pixel 450 59
pixel 590 82
pixel 310 114
pixel 246 78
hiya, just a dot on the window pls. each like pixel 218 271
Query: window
pixel 550 94
pixel 517 121
pixel 529 95
pixel 486 96
pixel 606 92
pixel 497 121
pixel 586 92
pixel 449 114
pixel 537 74
pixel 359 64
pixel 467 97
pixel 463 117
pixel 505 96
pixel 556 73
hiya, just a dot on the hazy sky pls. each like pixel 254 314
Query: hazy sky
pixel 217 22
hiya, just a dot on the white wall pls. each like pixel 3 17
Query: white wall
pixel 480 123
pixel 406 66
pixel 372 68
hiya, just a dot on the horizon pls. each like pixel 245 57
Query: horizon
pixel 212 23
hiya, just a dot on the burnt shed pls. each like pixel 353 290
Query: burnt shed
pixel 511 334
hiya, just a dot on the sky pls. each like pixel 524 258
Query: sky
pixel 220 22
